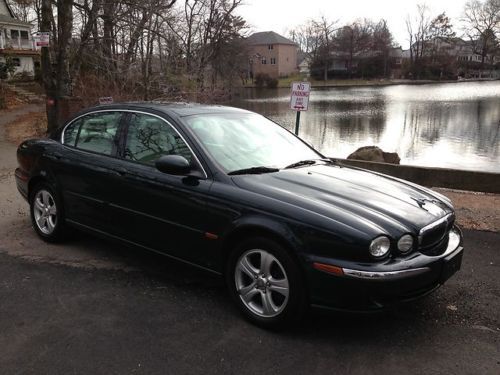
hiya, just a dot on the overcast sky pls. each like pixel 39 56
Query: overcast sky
pixel 283 15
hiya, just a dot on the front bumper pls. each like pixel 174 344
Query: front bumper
pixel 365 287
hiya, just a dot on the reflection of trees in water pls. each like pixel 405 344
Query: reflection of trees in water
pixel 347 120
pixel 488 127
pixel 475 124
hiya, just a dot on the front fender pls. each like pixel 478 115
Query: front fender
pixel 260 225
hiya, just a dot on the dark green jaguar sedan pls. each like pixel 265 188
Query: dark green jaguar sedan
pixel 230 191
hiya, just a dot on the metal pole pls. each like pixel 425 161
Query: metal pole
pixel 297 123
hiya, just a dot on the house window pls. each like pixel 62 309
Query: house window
pixel 273 61
pixel 16 61
pixel 24 35
pixel 270 46
pixel 14 34
pixel 250 61
pixel 264 61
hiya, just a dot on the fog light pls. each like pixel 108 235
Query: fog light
pixel 380 246
pixel 405 243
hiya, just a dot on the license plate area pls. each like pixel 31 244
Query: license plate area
pixel 451 264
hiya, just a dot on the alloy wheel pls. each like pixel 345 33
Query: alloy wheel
pixel 262 283
pixel 45 212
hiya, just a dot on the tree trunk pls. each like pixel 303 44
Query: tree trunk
pixel 87 31
pixel 108 24
pixel 49 83
pixel 65 27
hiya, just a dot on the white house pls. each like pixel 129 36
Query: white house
pixel 16 41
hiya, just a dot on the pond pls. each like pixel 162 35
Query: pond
pixel 449 125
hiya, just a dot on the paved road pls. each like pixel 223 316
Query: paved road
pixel 159 317
pixel 92 307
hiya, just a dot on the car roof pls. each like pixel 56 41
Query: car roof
pixel 178 109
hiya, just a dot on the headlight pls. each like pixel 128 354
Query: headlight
pixel 380 246
pixel 405 243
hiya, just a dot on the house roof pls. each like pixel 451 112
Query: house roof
pixel 269 37
pixel 12 21
pixel 9 9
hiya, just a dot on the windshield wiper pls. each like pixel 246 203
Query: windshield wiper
pixel 308 162
pixel 254 170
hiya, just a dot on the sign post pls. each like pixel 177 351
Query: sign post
pixel 299 100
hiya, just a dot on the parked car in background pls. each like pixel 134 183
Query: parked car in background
pixel 233 193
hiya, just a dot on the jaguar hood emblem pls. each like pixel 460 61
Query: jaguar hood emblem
pixel 433 207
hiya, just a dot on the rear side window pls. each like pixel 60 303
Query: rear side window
pixel 71 132
pixel 149 138
pixel 97 132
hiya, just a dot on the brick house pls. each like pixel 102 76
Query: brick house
pixel 16 41
pixel 272 54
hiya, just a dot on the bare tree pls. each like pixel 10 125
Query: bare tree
pixel 382 42
pixel 354 39
pixel 481 21
pixel 418 28
pixel 324 31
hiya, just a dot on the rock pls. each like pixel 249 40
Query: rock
pixel 374 153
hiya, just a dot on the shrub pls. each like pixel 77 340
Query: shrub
pixel 272 83
pixel 23 76
pixel 7 68
pixel 261 79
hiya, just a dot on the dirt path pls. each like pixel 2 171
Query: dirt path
pixel 8 160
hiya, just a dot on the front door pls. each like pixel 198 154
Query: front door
pixel 163 212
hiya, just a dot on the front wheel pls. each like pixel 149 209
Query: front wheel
pixel 46 213
pixel 266 283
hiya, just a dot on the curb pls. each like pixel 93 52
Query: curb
pixel 485 182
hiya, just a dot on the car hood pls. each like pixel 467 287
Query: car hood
pixel 363 200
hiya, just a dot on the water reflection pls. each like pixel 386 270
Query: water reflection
pixel 442 125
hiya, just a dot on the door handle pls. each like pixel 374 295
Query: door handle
pixel 120 171
pixel 53 156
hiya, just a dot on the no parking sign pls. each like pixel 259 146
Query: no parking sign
pixel 299 100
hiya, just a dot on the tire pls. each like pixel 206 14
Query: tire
pixel 266 283
pixel 47 213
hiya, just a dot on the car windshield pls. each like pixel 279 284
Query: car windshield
pixel 241 141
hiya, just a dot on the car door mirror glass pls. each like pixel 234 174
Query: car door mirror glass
pixel 173 164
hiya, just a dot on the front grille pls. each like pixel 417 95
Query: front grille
pixel 434 237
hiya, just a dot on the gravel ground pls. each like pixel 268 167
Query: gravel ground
pixel 475 210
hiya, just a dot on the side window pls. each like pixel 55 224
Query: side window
pixel 150 137
pixel 71 132
pixel 97 132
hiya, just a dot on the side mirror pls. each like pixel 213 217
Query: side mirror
pixel 173 164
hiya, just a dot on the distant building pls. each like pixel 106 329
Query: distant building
pixel 272 54
pixel 462 54
pixel 16 41
pixel 304 64
pixel 362 63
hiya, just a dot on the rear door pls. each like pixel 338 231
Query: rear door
pixel 163 212
pixel 86 173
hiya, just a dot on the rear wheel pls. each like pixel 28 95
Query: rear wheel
pixel 46 211
pixel 265 282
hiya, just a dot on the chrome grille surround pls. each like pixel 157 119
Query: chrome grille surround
pixel 437 229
